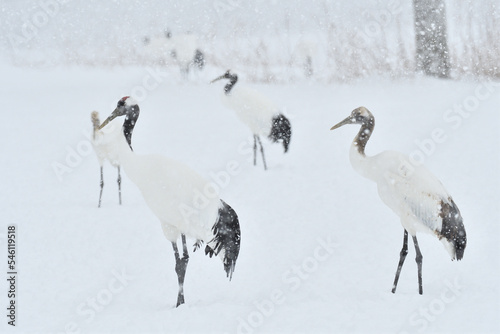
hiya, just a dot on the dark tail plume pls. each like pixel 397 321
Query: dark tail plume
pixel 199 59
pixel 453 228
pixel 227 238
pixel 281 130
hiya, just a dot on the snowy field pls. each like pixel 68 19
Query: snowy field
pixel 319 248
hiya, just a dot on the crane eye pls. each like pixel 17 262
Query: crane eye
pixel 121 103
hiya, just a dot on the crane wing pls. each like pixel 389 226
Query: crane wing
pixel 181 198
pixel 413 192
pixel 421 201
pixel 252 108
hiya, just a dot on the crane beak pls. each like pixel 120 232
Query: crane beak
pixel 113 115
pixel 217 79
pixel 348 120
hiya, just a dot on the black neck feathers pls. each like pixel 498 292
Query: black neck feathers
pixel 129 123
pixel 364 134
pixel 233 78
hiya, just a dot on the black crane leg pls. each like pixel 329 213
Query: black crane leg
pixel 102 186
pixel 119 186
pixel 180 267
pixel 262 152
pixel 254 150
pixel 402 257
pixel 418 259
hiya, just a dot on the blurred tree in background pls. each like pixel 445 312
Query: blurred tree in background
pixel 431 40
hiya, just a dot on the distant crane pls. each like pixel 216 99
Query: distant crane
pixel 177 196
pixel 412 192
pixel 258 113
pixel 104 143
pixel 305 51
pixel 183 48
pixel 186 52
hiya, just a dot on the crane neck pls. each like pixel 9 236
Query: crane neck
pixel 232 81
pixel 129 123
pixel 364 135
pixel 357 156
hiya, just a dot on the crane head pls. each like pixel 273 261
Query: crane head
pixel 232 80
pixel 125 106
pixel 227 75
pixel 359 115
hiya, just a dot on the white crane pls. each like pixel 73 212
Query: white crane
pixel 257 112
pixel 412 192
pixel 305 51
pixel 186 52
pixel 183 48
pixel 104 143
pixel 177 196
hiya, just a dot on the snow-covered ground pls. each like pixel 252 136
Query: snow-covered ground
pixel 319 249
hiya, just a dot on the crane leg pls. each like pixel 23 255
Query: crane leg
pixel 119 180
pixel 418 259
pixel 402 257
pixel 254 150
pixel 262 152
pixel 102 186
pixel 180 267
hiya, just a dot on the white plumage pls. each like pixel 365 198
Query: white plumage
pixel 305 51
pixel 185 203
pixel 258 112
pixel 174 192
pixel 412 192
pixel 104 143
pixel 157 48
pixel 183 48
pixel 252 108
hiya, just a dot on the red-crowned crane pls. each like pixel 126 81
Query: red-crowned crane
pixel 186 52
pixel 257 112
pixel 177 195
pixel 305 51
pixel 183 48
pixel 104 143
pixel 412 192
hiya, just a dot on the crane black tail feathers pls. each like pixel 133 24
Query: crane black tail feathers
pixel 453 227
pixel 227 238
pixel 281 129
pixel 199 59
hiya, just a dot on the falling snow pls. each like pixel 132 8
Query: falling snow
pixel 319 249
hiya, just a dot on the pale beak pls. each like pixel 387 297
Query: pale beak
pixel 218 78
pixel 113 115
pixel 348 120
